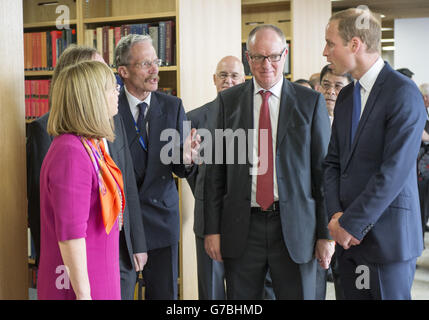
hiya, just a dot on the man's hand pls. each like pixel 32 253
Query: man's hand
pixel 324 250
pixel 212 246
pixel 140 260
pixel 339 234
pixel 191 147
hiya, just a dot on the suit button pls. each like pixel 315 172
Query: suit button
pixel 344 175
pixel 155 201
pixel 163 177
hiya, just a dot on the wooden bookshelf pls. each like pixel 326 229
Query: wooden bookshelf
pixel 278 13
pixel 303 23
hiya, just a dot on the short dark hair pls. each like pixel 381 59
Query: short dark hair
pixel 326 69
pixel 304 81
pixel 406 72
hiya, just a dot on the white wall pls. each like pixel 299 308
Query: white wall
pixel 209 30
pixel 412 47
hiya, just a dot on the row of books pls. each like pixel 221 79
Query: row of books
pixel 36 98
pixel 106 38
pixel 42 49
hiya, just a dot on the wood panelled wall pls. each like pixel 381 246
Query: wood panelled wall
pixel 13 203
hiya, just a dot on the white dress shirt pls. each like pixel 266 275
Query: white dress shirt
pixel 106 146
pixel 274 106
pixel 133 102
pixel 367 81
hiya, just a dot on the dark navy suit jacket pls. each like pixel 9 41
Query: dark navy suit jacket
pixel 159 199
pixel 373 181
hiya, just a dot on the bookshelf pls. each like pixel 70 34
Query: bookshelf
pixel 278 13
pixel 43 17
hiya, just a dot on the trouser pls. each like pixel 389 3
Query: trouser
pixel 265 249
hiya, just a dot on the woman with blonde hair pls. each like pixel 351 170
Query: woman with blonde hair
pixel 81 189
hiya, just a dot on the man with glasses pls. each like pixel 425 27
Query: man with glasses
pixel 146 113
pixel 269 214
pixel 330 86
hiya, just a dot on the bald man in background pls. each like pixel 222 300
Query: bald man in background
pixel 229 72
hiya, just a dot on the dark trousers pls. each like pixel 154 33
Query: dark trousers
pixel 265 249
pixel 211 275
pixel 160 274
pixel 321 278
pixel 339 294
pixel 390 281
pixel 128 274
pixel 424 203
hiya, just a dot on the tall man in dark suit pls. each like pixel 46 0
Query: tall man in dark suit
pixel 147 114
pixel 132 241
pixel 370 177
pixel 270 215
pixel 211 280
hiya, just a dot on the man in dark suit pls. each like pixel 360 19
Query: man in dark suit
pixel 132 242
pixel 229 72
pixel 370 176
pixel 270 215
pixel 147 114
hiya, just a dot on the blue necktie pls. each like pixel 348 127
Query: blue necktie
pixel 141 123
pixel 356 111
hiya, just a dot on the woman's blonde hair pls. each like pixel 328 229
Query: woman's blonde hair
pixel 79 102
pixel 72 55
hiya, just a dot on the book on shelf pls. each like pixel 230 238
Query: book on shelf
pixel 170 91
pixel 36 98
pixel 106 38
pixel 247 71
pixel 42 49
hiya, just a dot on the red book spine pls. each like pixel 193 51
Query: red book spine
pixel 117 35
pixel 54 48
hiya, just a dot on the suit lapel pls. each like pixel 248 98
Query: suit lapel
pixel 156 126
pixel 137 153
pixel 287 105
pixel 113 146
pixel 127 118
pixel 369 107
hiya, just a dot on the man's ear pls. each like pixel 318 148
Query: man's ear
pixel 123 72
pixel 356 44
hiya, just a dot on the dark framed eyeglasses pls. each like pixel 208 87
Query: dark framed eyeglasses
pixel 271 58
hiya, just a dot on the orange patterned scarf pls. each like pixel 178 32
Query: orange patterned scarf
pixel 110 182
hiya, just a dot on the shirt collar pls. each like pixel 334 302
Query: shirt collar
pixel 368 79
pixel 276 90
pixel 133 101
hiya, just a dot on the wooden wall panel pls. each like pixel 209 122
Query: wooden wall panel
pixel 209 30
pixel 309 20
pixel 13 204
